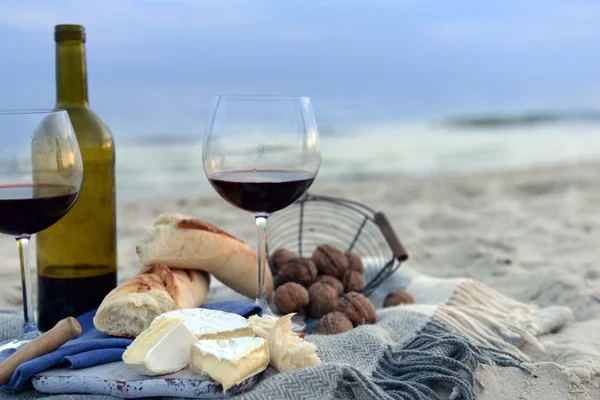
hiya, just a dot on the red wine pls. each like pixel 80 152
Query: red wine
pixel 77 294
pixel 261 191
pixel 28 209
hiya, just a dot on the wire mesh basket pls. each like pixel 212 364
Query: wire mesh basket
pixel 351 226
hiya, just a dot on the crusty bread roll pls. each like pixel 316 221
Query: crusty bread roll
pixel 130 308
pixel 180 241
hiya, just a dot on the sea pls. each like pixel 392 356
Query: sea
pixel 171 164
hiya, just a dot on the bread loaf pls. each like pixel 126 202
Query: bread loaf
pixel 183 242
pixel 130 308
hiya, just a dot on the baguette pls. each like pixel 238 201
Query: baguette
pixel 183 242
pixel 130 308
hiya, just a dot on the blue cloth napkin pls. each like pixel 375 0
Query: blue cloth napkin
pixel 93 347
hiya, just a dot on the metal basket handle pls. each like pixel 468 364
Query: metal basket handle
pixel 390 236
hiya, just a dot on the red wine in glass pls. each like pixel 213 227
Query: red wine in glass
pixel 41 174
pixel 261 191
pixel 26 209
pixel 261 153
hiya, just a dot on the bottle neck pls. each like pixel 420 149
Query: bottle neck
pixel 71 74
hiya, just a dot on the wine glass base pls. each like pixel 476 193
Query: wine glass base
pixel 298 324
pixel 28 333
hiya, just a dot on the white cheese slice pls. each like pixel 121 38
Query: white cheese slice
pixel 163 348
pixel 231 361
pixel 212 324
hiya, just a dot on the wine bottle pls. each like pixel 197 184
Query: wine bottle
pixel 77 256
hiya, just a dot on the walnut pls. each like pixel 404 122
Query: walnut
pixel 355 262
pixel 334 323
pixel 333 282
pixel 353 281
pixel 330 261
pixel 358 308
pixel 279 258
pixel 397 298
pixel 323 300
pixel 299 270
pixel 290 297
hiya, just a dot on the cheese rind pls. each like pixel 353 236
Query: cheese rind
pixel 163 348
pixel 231 361
pixel 212 324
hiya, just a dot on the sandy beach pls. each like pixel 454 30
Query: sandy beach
pixel 532 234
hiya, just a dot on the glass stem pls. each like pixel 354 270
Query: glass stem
pixel 28 308
pixel 261 227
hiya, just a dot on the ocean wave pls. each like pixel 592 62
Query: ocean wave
pixel 499 121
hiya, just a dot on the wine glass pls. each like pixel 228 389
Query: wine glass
pixel 41 175
pixel 261 153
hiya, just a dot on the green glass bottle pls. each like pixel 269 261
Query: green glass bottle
pixel 77 257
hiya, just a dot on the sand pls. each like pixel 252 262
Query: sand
pixel 532 234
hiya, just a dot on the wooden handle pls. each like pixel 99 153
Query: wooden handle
pixel 390 236
pixel 62 332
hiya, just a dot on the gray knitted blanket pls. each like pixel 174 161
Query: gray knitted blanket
pixel 424 351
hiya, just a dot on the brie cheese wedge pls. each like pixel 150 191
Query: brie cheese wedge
pixel 231 361
pixel 212 324
pixel 163 348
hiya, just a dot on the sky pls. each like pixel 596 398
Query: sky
pixel 154 65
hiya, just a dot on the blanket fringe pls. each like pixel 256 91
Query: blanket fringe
pixel 488 318
pixel 436 358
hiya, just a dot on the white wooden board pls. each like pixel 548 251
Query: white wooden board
pixel 120 380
